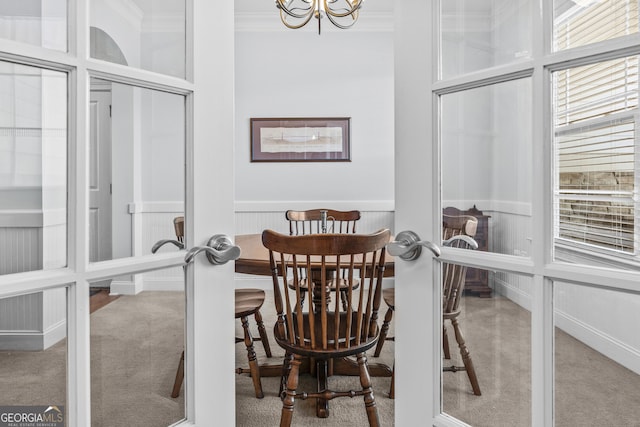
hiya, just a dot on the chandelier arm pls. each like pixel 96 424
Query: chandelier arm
pixel 340 25
pixel 355 6
pixel 290 11
pixel 283 18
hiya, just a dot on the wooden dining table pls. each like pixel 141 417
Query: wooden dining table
pixel 254 259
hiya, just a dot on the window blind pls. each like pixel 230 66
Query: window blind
pixel 596 185
pixel 595 21
pixel 595 133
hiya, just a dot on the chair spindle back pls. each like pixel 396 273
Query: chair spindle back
pixel 453 275
pixel 310 221
pixel 325 327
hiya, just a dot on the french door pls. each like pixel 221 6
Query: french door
pixel 514 109
pixel 173 68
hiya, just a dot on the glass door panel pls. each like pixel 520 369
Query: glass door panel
pixel 136 347
pixel 476 35
pixel 596 205
pixel 33 168
pixel 33 355
pixel 597 368
pixel 581 22
pixel 150 35
pixel 486 172
pixel 495 334
pixel 37 22
pixel 137 161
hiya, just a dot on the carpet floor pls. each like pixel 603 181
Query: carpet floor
pixel 136 343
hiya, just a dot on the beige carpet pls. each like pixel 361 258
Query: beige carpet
pixel 344 411
pixel 137 340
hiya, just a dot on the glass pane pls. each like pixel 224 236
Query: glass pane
pixel 476 35
pixel 33 356
pixel 37 22
pixel 597 367
pixel 33 168
pixel 496 332
pixel 595 194
pixel 582 22
pixel 486 164
pixel 150 35
pixel 136 168
pixel 136 346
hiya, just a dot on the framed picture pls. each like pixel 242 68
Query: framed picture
pixel 300 139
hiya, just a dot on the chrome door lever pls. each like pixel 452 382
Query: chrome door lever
pixel 219 250
pixel 408 246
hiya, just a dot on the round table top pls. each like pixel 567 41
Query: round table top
pixel 254 257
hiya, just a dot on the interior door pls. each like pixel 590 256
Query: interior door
pixel 100 180
pixel 515 133
pixel 417 394
pixel 58 72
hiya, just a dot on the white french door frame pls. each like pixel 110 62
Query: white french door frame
pixel 417 161
pixel 208 206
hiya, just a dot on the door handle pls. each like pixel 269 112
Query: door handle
pixel 219 250
pixel 161 243
pixel 408 246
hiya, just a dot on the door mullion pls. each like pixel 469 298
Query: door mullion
pixel 78 361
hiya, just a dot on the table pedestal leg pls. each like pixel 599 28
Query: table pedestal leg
pixel 322 405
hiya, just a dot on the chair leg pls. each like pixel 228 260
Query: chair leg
pixel 384 330
pixel 263 333
pixel 369 399
pixel 286 368
pixel 290 393
pixel 254 368
pixel 445 342
pixel 392 389
pixel 179 377
pixel 466 358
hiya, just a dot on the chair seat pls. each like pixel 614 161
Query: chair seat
pixel 248 301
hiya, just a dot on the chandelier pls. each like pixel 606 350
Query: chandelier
pixel 297 13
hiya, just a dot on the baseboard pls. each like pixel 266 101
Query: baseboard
pixel 125 287
pixel 613 349
pixel 33 341
pixel 501 287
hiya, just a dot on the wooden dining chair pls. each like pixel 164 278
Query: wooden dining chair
pixel 247 303
pixel 326 331
pixel 310 222
pixel 453 279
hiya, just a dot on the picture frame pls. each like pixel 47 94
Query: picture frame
pixel 315 139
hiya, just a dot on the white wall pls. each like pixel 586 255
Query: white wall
pixel 303 74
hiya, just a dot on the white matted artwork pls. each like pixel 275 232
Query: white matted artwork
pixel 300 139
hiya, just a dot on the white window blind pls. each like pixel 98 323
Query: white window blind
pixel 595 146
pixel 591 21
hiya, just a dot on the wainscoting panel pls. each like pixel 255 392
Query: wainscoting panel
pixel 20 249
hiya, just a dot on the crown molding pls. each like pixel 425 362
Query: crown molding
pixel 270 22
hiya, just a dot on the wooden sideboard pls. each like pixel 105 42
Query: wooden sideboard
pixel 477 282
